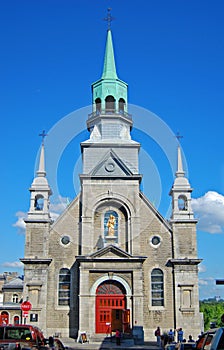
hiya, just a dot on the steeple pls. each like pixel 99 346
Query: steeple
pixel 109 95
pixel 109 69
pixel 41 170
pixel 40 191
pixel 180 172
pixel 181 193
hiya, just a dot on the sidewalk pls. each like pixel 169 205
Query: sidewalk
pixel 107 345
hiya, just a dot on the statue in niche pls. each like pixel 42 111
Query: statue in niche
pixel 110 224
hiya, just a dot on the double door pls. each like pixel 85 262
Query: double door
pixel 111 313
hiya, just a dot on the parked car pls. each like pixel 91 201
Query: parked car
pixel 54 343
pixel 213 339
pixel 21 337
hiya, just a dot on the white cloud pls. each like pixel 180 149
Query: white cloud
pixel 202 282
pixel 13 264
pixel 58 206
pixel 207 287
pixel 20 224
pixel 209 209
pixel 54 216
pixel 201 268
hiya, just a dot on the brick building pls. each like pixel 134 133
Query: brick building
pixel 111 260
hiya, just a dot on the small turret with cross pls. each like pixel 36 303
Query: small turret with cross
pixel 40 189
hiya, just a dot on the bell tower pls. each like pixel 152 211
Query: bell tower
pixel 109 92
pixel 110 175
pixel 185 261
pixel 40 191
pixel 181 193
pixel 109 105
pixel 38 218
pixel 36 260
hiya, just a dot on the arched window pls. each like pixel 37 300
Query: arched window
pixel 157 287
pixel 16 320
pixel 110 287
pixel 15 298
pixel 121 105
pixel 110 104
pixel 98 105
pixel 4 317
pixel 182 203
pixel 39 202
pixel 64 287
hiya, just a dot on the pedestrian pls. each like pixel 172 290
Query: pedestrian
pixel 118 337
pixel 190 339
pixel 180 335
pixel 51 343
pixel 170 336
pixel 158 336
pixel 164 341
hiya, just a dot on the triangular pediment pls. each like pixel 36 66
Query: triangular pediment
pixel 111 165
pixel 110 252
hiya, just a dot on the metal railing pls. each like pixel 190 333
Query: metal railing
pixel 109 112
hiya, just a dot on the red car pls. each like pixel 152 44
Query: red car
pixel 21 337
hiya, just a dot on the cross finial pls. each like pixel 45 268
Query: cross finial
pixel 43 135
pixel 178 136
pixel 109 18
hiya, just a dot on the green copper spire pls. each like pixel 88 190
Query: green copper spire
pixel 109 92
pixel 109 69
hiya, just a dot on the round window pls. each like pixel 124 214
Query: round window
pixel 155 240
pixel 65 240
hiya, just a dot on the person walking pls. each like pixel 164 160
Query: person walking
pixel 118 337
pixel 51 343
pixel 180 335
pixel 170 336
pixel 158 336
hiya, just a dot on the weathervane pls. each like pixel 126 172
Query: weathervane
pixel 43 135
pixel 109 18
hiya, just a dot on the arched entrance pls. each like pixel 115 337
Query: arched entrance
pixel 16 319
pixel 4 317
pixel 111 312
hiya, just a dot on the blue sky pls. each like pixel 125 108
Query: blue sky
pixel 171 54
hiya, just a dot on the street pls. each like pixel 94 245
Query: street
pixel 107 344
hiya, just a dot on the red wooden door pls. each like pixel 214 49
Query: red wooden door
pixel 126 321
pixel 110 296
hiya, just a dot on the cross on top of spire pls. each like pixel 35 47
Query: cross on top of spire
pixel 178 136
pixel 43 135
pixel 109 18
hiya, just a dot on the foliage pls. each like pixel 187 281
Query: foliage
pixel 212 311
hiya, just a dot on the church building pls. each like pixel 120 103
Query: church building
pixel 111 261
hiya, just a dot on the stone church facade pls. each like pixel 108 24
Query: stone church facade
pixel 111 260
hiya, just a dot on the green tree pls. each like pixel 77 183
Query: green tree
pixel 212 311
